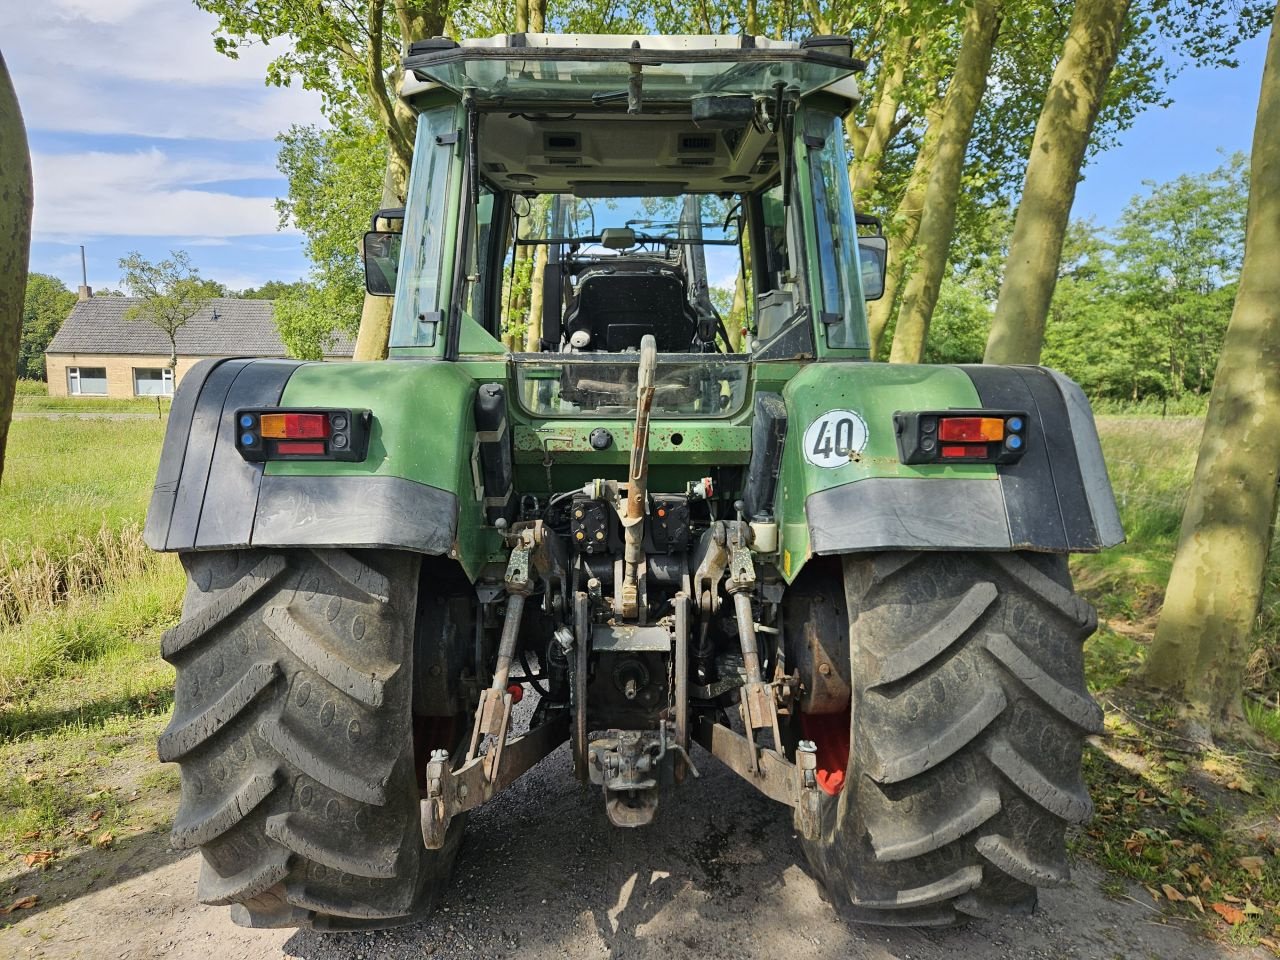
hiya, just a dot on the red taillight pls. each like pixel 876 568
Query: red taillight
pixel 303 448
pixel 970 430
pixel 967 450
pixel 296 426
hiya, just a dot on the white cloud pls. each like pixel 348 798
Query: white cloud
pixel 144 193
pixel 142 67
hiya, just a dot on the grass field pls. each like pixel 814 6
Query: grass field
pixel 84 694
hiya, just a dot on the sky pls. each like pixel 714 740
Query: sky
pixel 144 138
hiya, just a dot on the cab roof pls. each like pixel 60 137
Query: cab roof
pixel 533 68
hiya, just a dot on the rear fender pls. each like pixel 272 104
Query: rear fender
pixel 408 493
pixel 1056 499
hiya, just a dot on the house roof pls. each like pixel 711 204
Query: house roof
pixel 225 327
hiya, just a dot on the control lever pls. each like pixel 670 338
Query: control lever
pixel 636 502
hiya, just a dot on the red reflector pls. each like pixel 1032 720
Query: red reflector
pixel 309 448
pixel 295 426
pixel 968 429
pixel 965 450
pixel 516 691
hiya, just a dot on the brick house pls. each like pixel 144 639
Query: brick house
pixel 98 353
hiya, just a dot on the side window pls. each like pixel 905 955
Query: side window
pixel 423 250
pixel 777 296
pixel 839 276
pixel 480 276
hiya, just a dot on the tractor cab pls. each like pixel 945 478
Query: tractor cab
pixel 578 193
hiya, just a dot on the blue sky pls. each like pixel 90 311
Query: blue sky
pixel 143 138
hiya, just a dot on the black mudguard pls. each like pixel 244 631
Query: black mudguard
pixel 1056 499
pixel 208 497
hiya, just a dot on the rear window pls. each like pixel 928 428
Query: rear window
pixel 606 387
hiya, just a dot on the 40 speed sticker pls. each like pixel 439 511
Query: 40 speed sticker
pixel 834 437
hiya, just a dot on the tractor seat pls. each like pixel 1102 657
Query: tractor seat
pixel 618 304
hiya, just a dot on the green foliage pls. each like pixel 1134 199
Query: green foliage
pixel 1140 312
pixel 172 292
pixel 45 306
pixel 335 184
pixel 961 319
pixel 272 290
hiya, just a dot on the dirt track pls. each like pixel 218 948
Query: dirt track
pixel 543 875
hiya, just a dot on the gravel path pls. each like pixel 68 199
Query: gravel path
pixel 543 875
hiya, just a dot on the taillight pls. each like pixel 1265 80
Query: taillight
pixel 961 436
pixel 294 426
pixel 275 434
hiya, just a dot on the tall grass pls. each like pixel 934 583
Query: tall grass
pixel 33 580
pixel 30 388
pixel 76 581
pixel 1187 405
pixel 1151 461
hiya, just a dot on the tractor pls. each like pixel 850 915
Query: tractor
pixel 690 511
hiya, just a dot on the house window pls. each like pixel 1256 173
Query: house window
pixel 87 381
pixel 152 382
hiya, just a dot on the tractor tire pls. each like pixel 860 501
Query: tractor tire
pixel 293 729
pixel 959 768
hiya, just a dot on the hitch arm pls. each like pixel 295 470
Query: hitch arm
pixel 451 792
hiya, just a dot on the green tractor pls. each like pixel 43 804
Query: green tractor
pixel 845 580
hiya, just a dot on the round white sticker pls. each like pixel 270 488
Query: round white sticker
pixel 834 437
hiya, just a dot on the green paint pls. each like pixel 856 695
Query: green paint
pixel 874 391
pixel 423 430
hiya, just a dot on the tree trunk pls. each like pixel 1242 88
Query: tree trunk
pixel 417 21
pixel 1215 589
pixel 375 315
pixel 15 243
pixel 737 315
pixel 1053 171
pixel 522 16
pixel 874 139
pixel 938 221
pixel 902 231
pixel 533 338
pixel 537 15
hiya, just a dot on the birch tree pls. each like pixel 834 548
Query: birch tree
pixel 15 243
pixel 1057 154
pixel 1215 588
pixel 937 222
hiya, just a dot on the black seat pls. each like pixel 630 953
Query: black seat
pixel 618 304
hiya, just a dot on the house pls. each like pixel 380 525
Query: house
pixel 98 353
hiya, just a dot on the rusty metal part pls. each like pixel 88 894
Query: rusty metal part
pixel 793 784
pixel 451 792
pixel 757 705
pixel 530 556
pixel 723 545
pixel 818 637
pixel 637 499
pixel 582 628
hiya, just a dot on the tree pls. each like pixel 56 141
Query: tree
pixel 335 180
pixel 1057 154
pixel 272 290
pixel 1215 587
pixel 15 243
pixel 45 305
pixel 1177 249
pixel 937 223
pixel 171 291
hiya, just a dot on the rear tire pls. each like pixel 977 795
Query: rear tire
pixel 969 711
pixel 293 729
